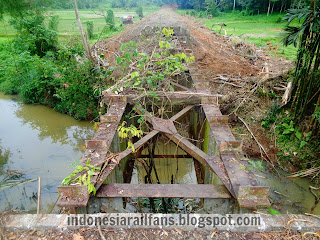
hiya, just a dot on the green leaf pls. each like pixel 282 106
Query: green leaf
pixel 287 131
pixel 264 123
pixel 119 60
pixel 259 165
pixel 153 94
pixel 303 143
pixel 136 53
pixel 123 47
pixel 273 212
pixel 285 125
pixel 299 135
pixel 80 168
pixel 84 177
pixel 133 44
pixel 134 74
pixel 128 56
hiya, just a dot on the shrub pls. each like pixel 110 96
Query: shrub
pixel 54 23
pixel 34 36
pixel 139 11
pixel 90 29
pixel 110 19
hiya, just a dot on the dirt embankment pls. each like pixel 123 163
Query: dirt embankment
pixel 231 68
pixel 212 51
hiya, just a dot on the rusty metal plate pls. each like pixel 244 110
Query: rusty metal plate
pixel 109 119
pixel 164 190
pixel 231 146
pixel 253 197
pixel 164 125
pixel 75 196
pixel 97 144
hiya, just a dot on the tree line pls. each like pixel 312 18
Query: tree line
pixel 248 6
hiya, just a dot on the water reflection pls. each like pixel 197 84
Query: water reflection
pixel 37 141
pixel 57 128
pixel 4 155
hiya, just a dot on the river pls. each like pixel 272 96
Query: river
pixel 38 142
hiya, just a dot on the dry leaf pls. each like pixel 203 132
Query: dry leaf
pixel 77 237
pixel 285 153
pixel 214 233
pixel 178 231
pixel 166 233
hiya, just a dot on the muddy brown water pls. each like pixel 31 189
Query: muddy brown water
pixel 38 141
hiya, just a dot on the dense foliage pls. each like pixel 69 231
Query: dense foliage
pixel 306 84
pixel 43 71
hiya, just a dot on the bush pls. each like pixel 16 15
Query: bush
pixel 139 11
pixel 90 29
pixel 78 91
pixel 41 71
pixel 202 14
pixel 54 23
pixel 110 19
pixel 57 79
pixel 193 13
pixel 34 36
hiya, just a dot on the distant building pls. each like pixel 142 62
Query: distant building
pixel 127 19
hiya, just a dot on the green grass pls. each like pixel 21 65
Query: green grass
pixel 68 24
pixel 257 29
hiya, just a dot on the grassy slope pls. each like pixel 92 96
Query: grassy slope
pixel 68 24
pixel 257 29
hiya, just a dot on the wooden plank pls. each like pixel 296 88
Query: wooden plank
pixel 163 190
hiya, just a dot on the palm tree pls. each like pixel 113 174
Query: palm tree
pixel 306 84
